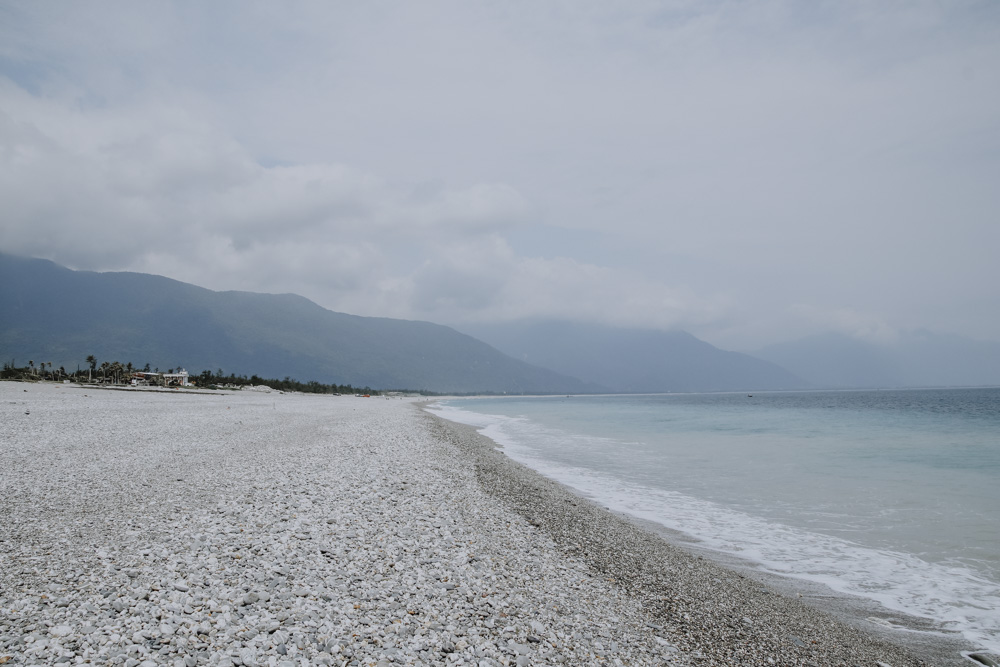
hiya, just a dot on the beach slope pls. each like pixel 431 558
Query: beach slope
pixel 146 529
pixel 722 614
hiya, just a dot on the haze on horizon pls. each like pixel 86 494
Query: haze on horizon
pixel 750 172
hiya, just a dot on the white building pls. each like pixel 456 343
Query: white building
pixel 179 378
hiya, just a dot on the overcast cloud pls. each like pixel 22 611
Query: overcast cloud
pixel 748 171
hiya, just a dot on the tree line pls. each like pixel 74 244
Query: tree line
pixel 218 379
pixel 117 373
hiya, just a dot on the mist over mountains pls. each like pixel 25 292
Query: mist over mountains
pixel 915 359
pixel 634 360
pixel 51 313
pixel 646 361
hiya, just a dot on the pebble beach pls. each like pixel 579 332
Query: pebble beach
pixel 246 528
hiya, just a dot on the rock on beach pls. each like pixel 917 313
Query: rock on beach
pixel 247 529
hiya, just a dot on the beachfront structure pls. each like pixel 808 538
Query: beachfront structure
pixel 178 379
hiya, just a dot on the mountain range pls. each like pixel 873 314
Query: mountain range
pixel 917 358
pixel 55 314
pixel 634 360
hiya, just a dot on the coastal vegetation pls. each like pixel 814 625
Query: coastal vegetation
pixel 115 373
pixel 218 379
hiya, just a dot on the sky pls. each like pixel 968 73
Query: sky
pixel 749 171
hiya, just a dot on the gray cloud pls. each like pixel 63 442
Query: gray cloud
pixel 750 171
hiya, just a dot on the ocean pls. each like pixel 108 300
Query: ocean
pixel 888 495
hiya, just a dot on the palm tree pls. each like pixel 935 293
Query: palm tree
pixel 92 360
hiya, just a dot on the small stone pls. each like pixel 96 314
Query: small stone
pixel 61 631
pixel 180 586
pixel 520 649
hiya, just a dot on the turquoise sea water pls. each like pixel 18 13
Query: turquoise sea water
pixel 891 495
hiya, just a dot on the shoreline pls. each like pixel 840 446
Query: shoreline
pixel 255 530
pixel 706 602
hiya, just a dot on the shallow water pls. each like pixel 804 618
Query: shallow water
pixel 891 495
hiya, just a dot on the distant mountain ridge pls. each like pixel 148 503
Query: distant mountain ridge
pixel 916 359
pixel 51 313
pixel 634 360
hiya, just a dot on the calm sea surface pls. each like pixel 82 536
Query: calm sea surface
pixel 892 495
